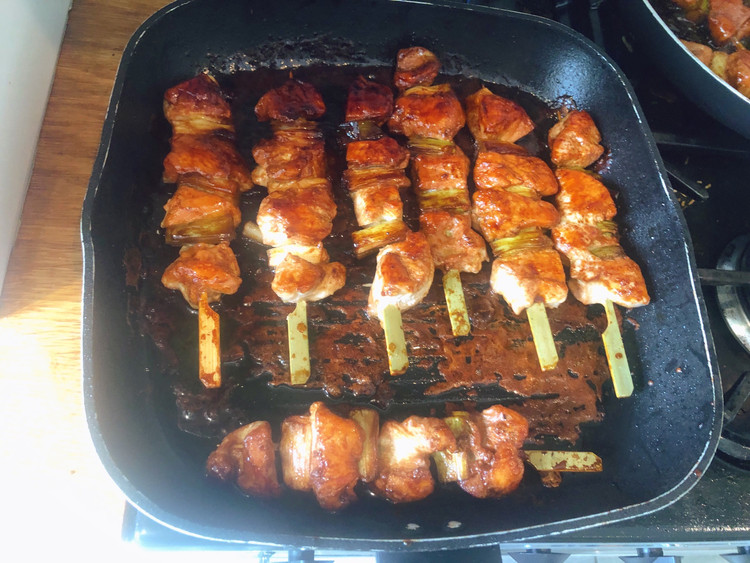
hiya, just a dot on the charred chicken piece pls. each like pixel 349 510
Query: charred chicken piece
pixel 247 457
pixel 194 215
pixel 404 450
pixel 428 111
pixel 197 106
pixel 208 161
pixel 203 268
pixel 493 118
pixel 574 141
pixel 294 100
pixel 403 274
pixel 415 66
pixel 369 101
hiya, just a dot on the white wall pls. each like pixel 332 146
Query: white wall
pixel 31 32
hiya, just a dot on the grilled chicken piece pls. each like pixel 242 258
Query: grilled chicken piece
pixel 382 153
pixel 404 457
pixel 503 213
pixel 583 198
pixel 247 457
pixel 493 118
pixel 195 215
pixel 494 439
pixel 377 204
pixel 493 170
pixel 197 106
pixel 209 161
pixel 294 100
pixel 729 20
pixel 428 111
pixel 445 169
pixel 574 141
pixel 361 178
pixel 403 274
pixel 369 101
pixel 289 156
pixel 453 243
pixel 704 53
pixel 415 66
pixel 209 268
pixel 316 254
pixel 599 268
pixel 738 71
pixel 296 279
pixel 522 278
pixel 297 216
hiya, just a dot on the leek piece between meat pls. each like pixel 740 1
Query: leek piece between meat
pixel 616 358
pixel 454 298
pixel 580 462
pixel 209 346
pixel 299 347
pixel 543 341
pixel 395 342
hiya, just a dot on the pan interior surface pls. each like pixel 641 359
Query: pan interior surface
pixel 654 445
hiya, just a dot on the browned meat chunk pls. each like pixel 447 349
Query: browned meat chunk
pixel 247 457
pixel 195 215
pixel 404 457
pixel 369 100
pixel 493 171
pixel 574 141
pixel 493 118
pixel 383 153
pixel 503 213
pixel 729 20
pixel 292 101
pixel 583 198
pixel 289 156
pixel 296 279
pixel 377 204
pixel 415 66
pixel 428 111
pixel 447 169
pixel 203 268
pixel 197 106
pixel 453 243
pixel 738 71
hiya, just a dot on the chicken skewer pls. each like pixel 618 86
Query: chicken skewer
pixel 511 215
pixel 203 214
pixel 297 214
pixel 430 116
pixel 374 176
pixel 600 272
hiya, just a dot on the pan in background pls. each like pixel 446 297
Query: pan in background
pixel 684 70
pixel 655 445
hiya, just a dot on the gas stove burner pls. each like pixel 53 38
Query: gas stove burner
pixel 734 300
pixel 734 303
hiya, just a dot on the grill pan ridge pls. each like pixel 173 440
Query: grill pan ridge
pixel 655 445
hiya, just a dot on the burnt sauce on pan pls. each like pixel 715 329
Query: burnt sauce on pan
pixel 496 363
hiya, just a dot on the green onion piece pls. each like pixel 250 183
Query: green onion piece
pixel 527 239
pixel 299 347
pixel 455 201
pixel 429 144
pixel 544 343
pixel 525 191
pixel 608 252
pixel 370 239
pixel 451 466
pixel 368 420
pixel 454 299
pixel 252 231
pixel 458 422
pixel 619 369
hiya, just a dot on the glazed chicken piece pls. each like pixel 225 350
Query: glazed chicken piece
pixel 208 161
pixel 404 451
pixel 321 452
pixel 441 170
pixel 403 274
pixel 493 439
pixel 504 213
pixel 729 21
pixel 247 457
pixel 289 156
pixel 381 153
pixel 292 101
pixel 738 71
pixel 428 111
pixel 453 243
pixel 203 268
pixel 415 66
pixel 195 215
pixel 369 101
pixel 494 170
pixel 197 106
pixel 493 118
pixel 297 279
pixel 587 236
pixel 574 141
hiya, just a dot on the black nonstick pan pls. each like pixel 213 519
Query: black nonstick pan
pixel 684 70
pixel 654 445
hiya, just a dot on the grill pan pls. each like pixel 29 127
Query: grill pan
pixel 654 445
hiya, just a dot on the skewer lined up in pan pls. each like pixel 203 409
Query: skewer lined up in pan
pixel 203 214
pixel 375 175
pixel 298 212
pixel 512 216
pixel 600 271
pixel 430 116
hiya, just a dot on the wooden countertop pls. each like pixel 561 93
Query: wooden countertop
pixel 60 496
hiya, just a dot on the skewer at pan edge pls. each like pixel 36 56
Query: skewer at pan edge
pixel 454 299
pixel 619 369
pixel 542 333
pixel 209 344
pixel 299 344
pixel 398 359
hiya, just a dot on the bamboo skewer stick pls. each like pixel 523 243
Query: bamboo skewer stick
pixel 209 344
pixel 398 359
pixel 578 462
pixel 614 348
pixel 299 344
pixel 454 299
pixel 542 333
